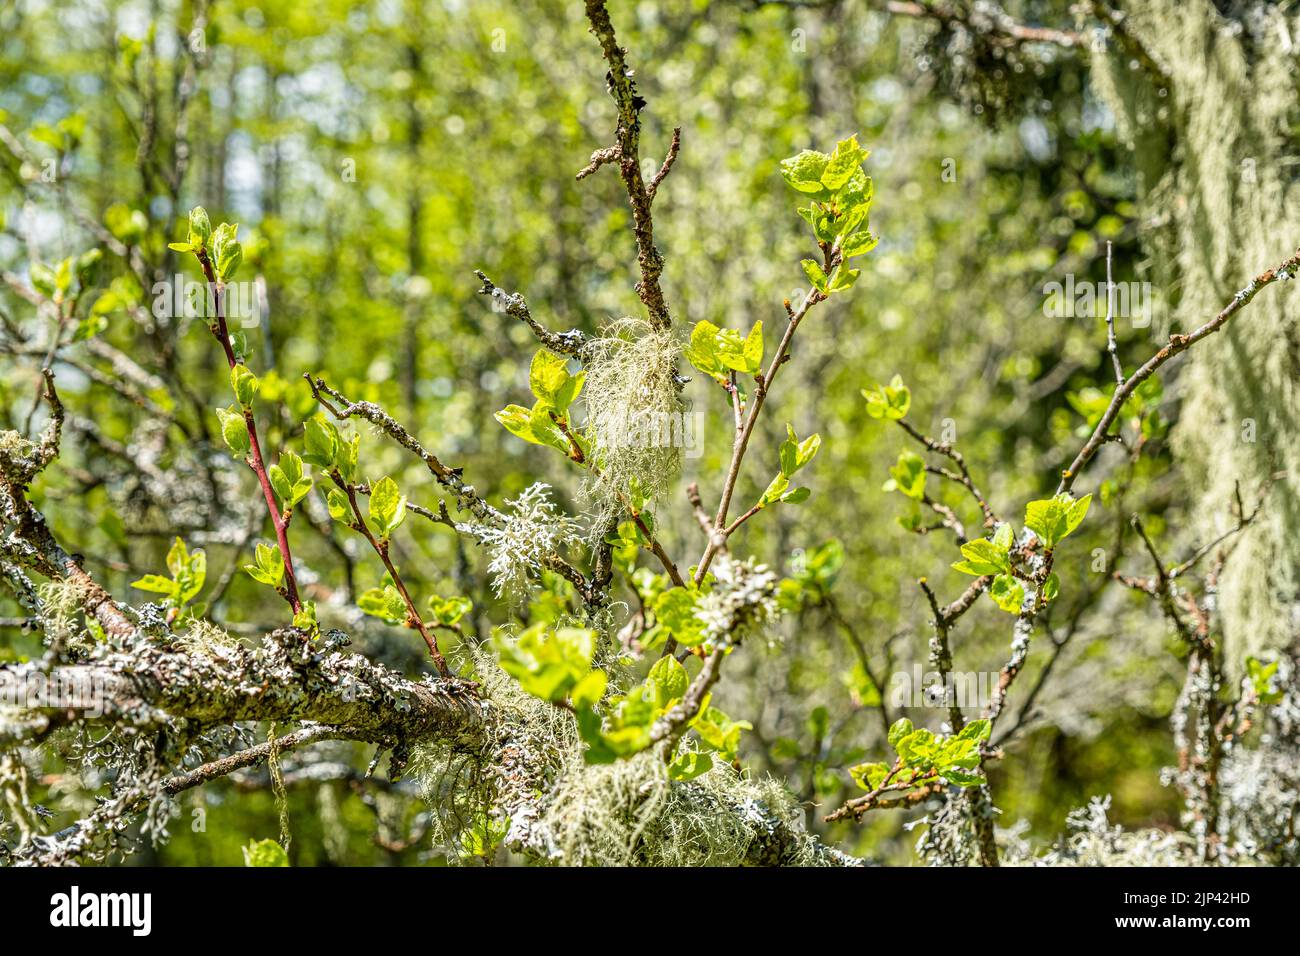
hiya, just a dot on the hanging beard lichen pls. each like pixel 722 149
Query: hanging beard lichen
pixel 554 807
pixel 635 420
pixel 1217 186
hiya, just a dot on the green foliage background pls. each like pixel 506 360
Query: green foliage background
pixel 465 124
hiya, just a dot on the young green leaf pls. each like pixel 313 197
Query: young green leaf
pixel 244 384
pixel 1052 519
pixel 898 730
pixel 200 226
pixel 385 603
pixel 667 680
pixel 234 430
pixel 321 442
pixel 844 162
pixel 804 171
pixel 1007 593
pixel 815 275
pixel 907 476
pixel 268 566
pixel 689 765
pixel 449 611
pixel 387 507
pixel 869 776
pixel 984 556
pixel 266 853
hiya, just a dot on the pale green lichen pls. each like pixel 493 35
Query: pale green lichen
pixel 635 417
pixel 1220 195
pixel 626 813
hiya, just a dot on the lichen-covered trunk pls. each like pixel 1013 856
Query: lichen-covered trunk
pixel 1219 178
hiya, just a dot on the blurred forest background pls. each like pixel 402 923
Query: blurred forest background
pixel 375 155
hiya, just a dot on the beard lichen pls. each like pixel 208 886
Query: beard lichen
pixel 545 801
pixel 535 528
pixel 635 420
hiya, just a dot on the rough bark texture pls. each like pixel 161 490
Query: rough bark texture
pixel 1222 201
pixel 148 685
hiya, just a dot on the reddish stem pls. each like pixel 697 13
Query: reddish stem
pixel 255 460
pixel 413 618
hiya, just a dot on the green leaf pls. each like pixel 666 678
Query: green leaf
pixel 908 476
pixel 321 442
pixel 1007 593
pixel 305 620
pixel 869 776
pixel 268 567
pixel 858 244
pixel 804 171
pixel 843 278
pixel 229 264
pixel 667 680
pixel 178 557
pixel 1052 519
pixel 547 377
pixel 234 430
pixel 200 226
pixel 387 507
pixel 244 383
pixel 226 252
pixel 533 425
pixel 589 690
pixel 815 275
pixel 292 485
pixel 449 611
pixel 977 730
pixel 188 572
pixel 339 506
pixel 265 853
pixel 753 349
pixel 983 557
pixel 898 730
pixel 88 268
pixel 1004 537
pixel 385 603
pixel 846 160
pixel 963 778
pixel 890 401
pixel 1261 676
pixel 222 236
pixel 918 749
pixel 548 664
pixel 1051 587
pixel 156 584
pixel 346 459
pixel 795 454
pixel 744 355
pixel 180 247
pixel 1078 511
pixel 674 610
pixel 775 490
pixel 545 429
pixel 63 276
pixel 703 350
pixel 719 732
pixel 689 765
pixel 43 279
